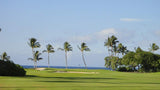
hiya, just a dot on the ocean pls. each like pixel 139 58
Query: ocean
pixel 63 67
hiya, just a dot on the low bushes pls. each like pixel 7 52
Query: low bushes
pixel 125 69
pixel 8 68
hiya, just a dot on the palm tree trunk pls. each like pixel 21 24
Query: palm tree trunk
pixel 48 60
pixel 84 60
pixel 33 58
pixel 111 51
pixel 108 51
pixel 36 64
pixel 66 58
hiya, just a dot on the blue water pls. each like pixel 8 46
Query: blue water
pixel 62 67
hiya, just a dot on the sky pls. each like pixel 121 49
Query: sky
pixel 134 22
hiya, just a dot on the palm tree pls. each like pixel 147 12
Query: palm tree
pixel 154 47
pixel 120 46
pixel 66 47
pixel 111 43
pixel 108 44
pixel 36 57
pixel 124 50
pixel 33 44
pixel 49 50
pixel 115 50
pixel 5 57
pixel 83 48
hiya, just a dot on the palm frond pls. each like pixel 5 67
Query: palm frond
pixel 33 43
pixel 84 47
pixel 61 49
pixel 39 59
pixel 67 47
pixel 51 51
pixel 44 51
pixel 87 49
pixel 30 59
pixel 37 45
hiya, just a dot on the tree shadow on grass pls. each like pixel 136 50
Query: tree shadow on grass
pixel 44 87
pixel 31 76
pixel 71 78
pixel 75 78
pixel 62 81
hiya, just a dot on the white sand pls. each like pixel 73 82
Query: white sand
pixel 40 69
pixel 77 72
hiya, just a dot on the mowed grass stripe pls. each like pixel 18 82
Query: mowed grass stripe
pixel 49 80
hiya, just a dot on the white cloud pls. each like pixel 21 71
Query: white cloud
pixel 101 35
pixel 105 33
pixel 130 19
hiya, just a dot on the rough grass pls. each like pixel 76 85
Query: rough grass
pixel 105 80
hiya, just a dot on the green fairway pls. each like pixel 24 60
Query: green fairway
pixel 102 80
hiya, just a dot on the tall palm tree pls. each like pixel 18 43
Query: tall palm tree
pixel 115 50
pixel 36 58
pixel 33 44
pixel 124 50
pixel 108 44
pixel 49 50
pixel 83 48
pixel 120 47
pixel 111 43
pixel 154 47
pixel 4 56
pixel 66 47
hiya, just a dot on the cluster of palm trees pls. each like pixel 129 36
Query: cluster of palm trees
pixel 66 48
pixel 113 48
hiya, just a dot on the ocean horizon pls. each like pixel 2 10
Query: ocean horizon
pixel 63 67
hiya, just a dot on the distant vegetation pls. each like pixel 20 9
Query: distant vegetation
pixel 138 60
pixel 119 57
pixel 8 68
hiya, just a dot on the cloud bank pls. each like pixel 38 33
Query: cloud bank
pixel 101 35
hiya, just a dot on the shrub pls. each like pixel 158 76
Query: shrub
pixel 122 69
pixel 129 69
pixel 8 68
pixel 125 69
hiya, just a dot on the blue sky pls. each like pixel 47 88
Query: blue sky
pixel 134 22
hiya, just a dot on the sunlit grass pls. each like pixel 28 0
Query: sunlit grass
pixel 49 80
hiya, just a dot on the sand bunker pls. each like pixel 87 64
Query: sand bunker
pixel 76 72
pixel 40 69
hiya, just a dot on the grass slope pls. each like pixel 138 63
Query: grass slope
pixel 105 80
